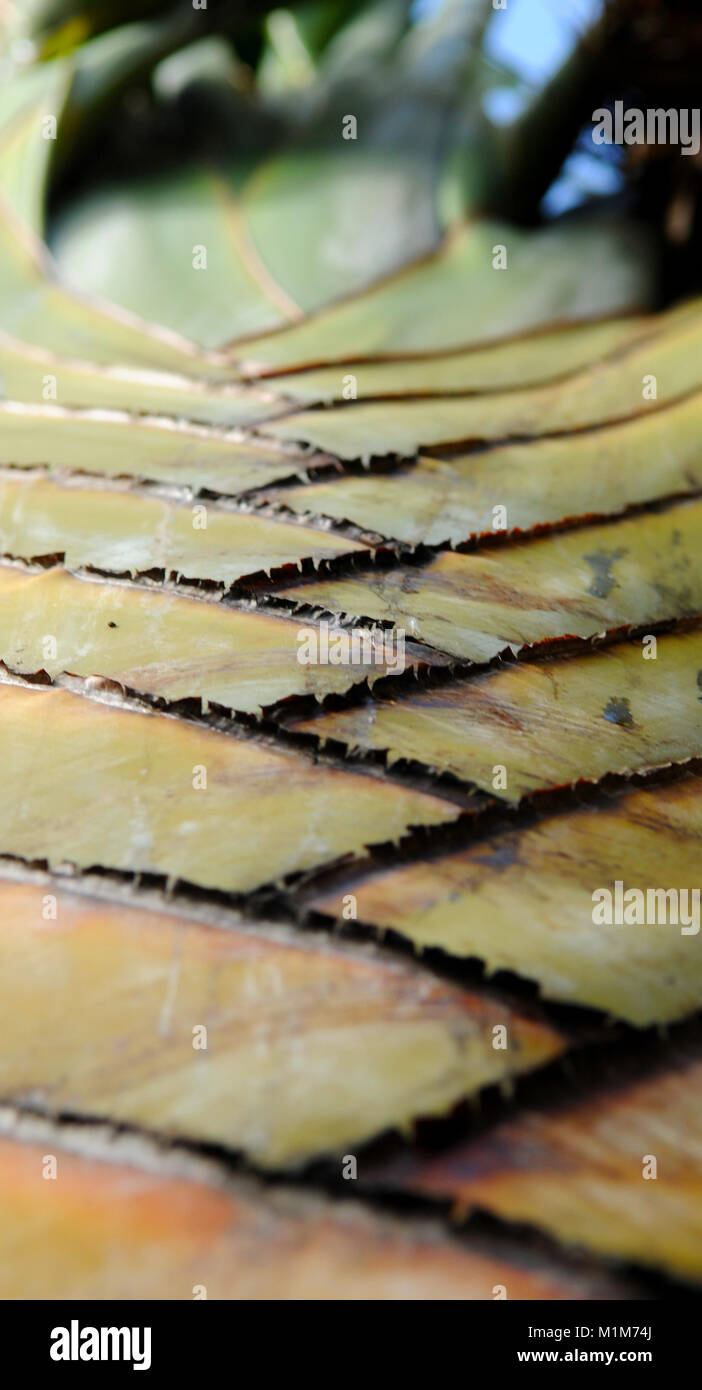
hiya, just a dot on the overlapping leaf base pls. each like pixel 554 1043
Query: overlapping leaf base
pixel 192 805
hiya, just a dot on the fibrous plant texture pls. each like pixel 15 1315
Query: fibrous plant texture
pixel 350 665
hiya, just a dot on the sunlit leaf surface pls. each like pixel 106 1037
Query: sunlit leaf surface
pixel 522 900
pixel 546 723
pixel 614 390
pixel 92 784
pixel 596 473
pixel 232 285
pixel 161 449
pixel 171 647
pixel 639 570
pixel 32 375
pixel 523 362
pixel 134 532
pixel 307 1047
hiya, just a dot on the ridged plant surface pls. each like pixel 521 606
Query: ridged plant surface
pixel 351 665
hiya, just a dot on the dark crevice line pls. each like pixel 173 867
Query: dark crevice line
pixel 270 910
pixel 111 1142
pixel 277 919
pixel 579 1023
pixel 382 552
pixel 609 1064
pixel 234 599
pixel 239 387
pixel 429 844
pixel 381 556
pixel 303 466
pixel 160 579
pixel 599 1070
pixel 460 671
pixel 264 915
pixel 272 727
pixel 411 773
pixel 290 901
pixel 653 330
pixel 428 674
pixel 275 605
pixel 332 469
pixel 481 345
pixel 289 904
pixel 263 731
pixel 542 530
pixel 243 589
pixel 281 906
pixel 473 444
pixel 606 1064
pixel 396 552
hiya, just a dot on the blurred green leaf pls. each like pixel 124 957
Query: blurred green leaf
pixel 60 25
pixel 244 242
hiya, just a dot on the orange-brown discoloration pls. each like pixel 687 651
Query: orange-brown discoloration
pixel 577 1171
pixel 108 1230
